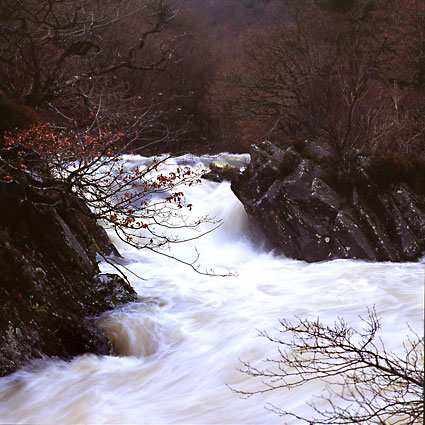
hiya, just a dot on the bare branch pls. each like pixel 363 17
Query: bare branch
pixel 365 383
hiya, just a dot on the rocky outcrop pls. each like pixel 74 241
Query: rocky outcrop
pixel 309 214
pixel 50 286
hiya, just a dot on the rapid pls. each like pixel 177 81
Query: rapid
pixel 181 344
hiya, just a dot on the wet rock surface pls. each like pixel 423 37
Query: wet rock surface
pixel 50 286
pixel 286 193
pixel 221 173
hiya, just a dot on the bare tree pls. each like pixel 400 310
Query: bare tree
pixel 143 204
pixel 130 56
pixel 322 75
pixel 365 383
pixel 51 49
pixel 78 63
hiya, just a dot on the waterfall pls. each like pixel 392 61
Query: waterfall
pixel 181 343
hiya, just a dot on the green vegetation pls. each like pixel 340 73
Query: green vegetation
pixel 37 307
pixel 4 235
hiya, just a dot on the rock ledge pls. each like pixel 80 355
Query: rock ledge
pixel 286 194
pixel 50 286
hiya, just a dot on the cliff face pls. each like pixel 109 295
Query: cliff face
pixel 307 213
pixel 50 286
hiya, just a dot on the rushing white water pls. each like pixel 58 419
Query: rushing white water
pixel 180 344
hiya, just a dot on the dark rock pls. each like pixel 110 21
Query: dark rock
pixel 82 222
pixel 302 216
pixel 50 287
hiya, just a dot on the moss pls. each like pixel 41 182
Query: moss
pixel 4 235
pixel 301 147
pixel 345 182
pixel 11 265
pixel 37 307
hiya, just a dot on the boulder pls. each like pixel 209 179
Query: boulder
pixel 286 194
pixel 51 290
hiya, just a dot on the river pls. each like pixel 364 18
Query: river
pixel 181 344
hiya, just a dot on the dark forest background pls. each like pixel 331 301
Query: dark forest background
pixel 218 75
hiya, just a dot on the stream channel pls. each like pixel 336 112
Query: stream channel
pixel 181 344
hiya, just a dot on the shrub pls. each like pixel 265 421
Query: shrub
pixel 392 168
pixel 14 114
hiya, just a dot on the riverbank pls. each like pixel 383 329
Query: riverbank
pixel 51 287
pixel 180 344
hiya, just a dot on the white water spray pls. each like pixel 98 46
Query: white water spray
pixel 180 344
